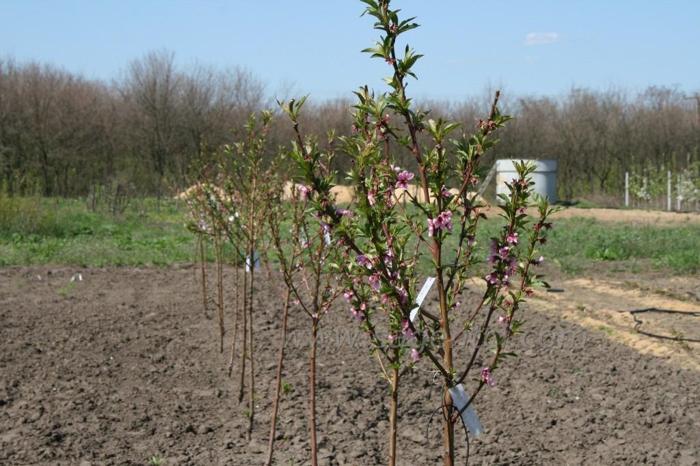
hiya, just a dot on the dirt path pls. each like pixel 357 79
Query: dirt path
pixel 671 327
pixel 122 366
pixel 634 216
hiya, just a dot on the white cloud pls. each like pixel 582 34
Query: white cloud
pixel 541 38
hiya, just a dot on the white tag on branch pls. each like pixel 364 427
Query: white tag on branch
pixel 469 417
pixel 256 260
pixel 421 297
pixel 327 238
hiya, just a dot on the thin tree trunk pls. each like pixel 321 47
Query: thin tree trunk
pixel 220 291
pixel 203 265
pixel 251 349
pixel 278 388
pixel 448 426
pixel 241 387
pixel 312 394
pixel 237 311
pixel 393 419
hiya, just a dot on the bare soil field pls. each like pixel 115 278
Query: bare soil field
pixel 123 365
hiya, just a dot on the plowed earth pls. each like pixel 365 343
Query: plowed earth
pixel 123 365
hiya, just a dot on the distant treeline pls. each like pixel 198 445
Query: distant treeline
pixel 62 134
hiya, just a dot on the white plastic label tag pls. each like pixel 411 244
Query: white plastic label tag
pixel 327 238
pixel 469 417
pixel 256 261
pixel 421 297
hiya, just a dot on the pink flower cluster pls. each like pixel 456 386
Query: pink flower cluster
pixel 402 179
pixel 358 312
pixel 364 261
pixel 504 261
pixel 486 377
pixel 442 222
pixel 408 334
pixel 304 192
pixel 375 281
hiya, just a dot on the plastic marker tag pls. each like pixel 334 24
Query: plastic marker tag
pixel 469 417
pixel 327 238
pixel 421 297
pixel 256 261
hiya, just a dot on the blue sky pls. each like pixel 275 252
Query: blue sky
pixel 524 46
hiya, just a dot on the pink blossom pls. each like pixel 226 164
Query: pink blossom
pixel 432 226
pixel 486 377
pixel 304 192
pixel 492 278
pixel 364 261
pixel 407 331
pixel 505 320
pixel 348 295
pixel 372 197
pixel 388 258
pixel 446 219
pixel 403 295
pixel 402 179
pixel 442 222
pixel 444 192
pixel 415 355
pixel 512 238
pixel 344 213
pixel 374 281
pixel 359 312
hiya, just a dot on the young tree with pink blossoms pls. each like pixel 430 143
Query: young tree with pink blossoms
pixel 306 257
pixel 385 241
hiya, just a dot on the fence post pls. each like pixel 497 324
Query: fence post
pixel 678 193
pixel 668 191
pixel 627 189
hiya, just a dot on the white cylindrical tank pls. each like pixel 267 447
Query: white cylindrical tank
pixel 544 176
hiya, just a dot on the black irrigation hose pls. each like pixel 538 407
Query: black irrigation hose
pixel 451 411
pixel 638 323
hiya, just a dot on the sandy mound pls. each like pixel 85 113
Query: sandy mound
pixel 415 191
pixel 200 189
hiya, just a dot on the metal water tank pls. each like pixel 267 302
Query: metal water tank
pixel 544 176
